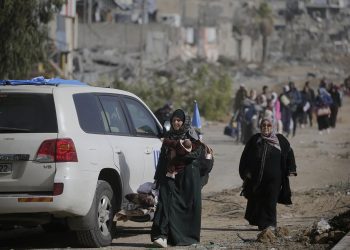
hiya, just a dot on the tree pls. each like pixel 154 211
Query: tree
pixel 266 27
pixel 24 35
pixel 254 22
pixel 245 23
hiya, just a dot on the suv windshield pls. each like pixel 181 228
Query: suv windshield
pixel 27 113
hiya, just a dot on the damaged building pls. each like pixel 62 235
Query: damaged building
pixel 125 39
pixel 181 30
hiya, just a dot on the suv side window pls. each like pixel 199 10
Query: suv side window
pixel 114 114
pixel 90 114
pixel 144 124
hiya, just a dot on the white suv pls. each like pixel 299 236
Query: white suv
pixel 70 152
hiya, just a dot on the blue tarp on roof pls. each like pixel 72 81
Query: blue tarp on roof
pixel 40 80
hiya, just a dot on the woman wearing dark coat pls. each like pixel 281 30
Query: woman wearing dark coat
pixel 266 162
pixel 323 101
pixel 177 219
pixel 335 105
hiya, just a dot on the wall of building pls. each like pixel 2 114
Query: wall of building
pixel 169 6
pixel 201 19
pixel 163 42
pixel 228 45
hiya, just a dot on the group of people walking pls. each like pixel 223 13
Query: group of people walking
pixel 265 165
pixel 267 161
pixel 290 109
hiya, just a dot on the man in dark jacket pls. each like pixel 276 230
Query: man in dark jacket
pixel 163 113
pixel 308 96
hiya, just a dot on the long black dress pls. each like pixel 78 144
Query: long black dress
pixel 269 183
pixel 178 213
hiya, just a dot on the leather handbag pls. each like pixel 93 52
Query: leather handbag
pixel 323 111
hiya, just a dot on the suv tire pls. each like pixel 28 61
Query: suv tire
pixel 102 211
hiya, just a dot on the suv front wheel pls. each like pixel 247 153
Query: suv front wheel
pixel 102 212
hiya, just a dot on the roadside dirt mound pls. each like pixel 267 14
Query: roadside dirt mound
pixel 224 226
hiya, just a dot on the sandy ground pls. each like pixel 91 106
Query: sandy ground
pixel 321 190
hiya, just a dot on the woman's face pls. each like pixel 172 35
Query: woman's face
pixel 266 128
pixel 176 123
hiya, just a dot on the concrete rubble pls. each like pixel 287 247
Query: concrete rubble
pixel 309 38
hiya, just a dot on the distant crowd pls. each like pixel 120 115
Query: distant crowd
pixel 290 109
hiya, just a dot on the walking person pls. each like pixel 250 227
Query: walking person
pixel 347 85
pixel 240 96
pixel 177 219
pixel 323 111
pixel 263 97
pixel 265 165
pixel 275 106
pixel 308 97
pixel 337 102
pixel 248 116
pixel 286 113
pixel 295 105
pixel 163 113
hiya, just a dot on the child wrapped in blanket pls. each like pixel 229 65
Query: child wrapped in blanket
pixel 178 149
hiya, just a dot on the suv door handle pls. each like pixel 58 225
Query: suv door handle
pixel 117 150
pixel 148 150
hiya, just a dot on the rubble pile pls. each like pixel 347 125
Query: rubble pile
pixel 280 235
pixel 140 206
pixel 322 233
pixel 316 36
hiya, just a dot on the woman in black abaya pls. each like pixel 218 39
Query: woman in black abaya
pixel 266 162
pixel 177 219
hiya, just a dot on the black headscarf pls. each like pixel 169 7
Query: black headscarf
pixel 186 131
pixel 179 113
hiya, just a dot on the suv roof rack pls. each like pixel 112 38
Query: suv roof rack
pixel 40 80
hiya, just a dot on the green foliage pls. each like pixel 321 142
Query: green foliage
pixel 264 10
pixel 155 93
pixel 265 19
pixel 23 35
pixel 210 87
pixel 212 92
pixel 215 99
